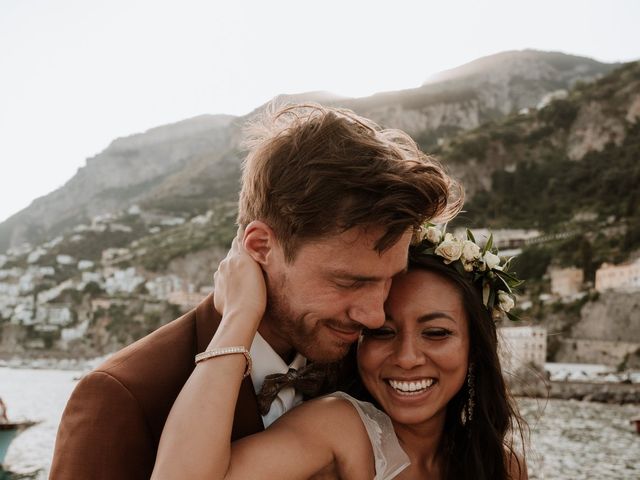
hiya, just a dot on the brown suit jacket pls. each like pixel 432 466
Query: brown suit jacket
pixel 111 426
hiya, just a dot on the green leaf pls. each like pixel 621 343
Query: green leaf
pixel 488 245
pixel 504 283
pixel 470 236
pixel 492 298
pixel 513 317
pixel 507 263
pixel 459 268
pixel 507 277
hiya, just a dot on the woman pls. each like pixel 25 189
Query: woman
pixel 432 368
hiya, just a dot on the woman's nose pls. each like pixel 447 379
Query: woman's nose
pixel 408 353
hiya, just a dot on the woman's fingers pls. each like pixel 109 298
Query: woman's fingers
pixel 239 282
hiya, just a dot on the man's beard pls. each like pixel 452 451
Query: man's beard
pixel 292 328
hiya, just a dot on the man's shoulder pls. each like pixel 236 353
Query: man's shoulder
pixel 169 342
pixel 160 362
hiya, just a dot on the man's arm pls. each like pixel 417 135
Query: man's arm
pixel 103 434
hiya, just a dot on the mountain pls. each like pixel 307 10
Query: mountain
pixel 569 169
pixel 118 177
pixel 572 158
pixel 189 166
pixel 555 69
pixel 132 240
pixel 483 90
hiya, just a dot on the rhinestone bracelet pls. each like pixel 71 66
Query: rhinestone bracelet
pixel 219 351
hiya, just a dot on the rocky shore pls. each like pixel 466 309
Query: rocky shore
pixel 617 393
pixel 604 392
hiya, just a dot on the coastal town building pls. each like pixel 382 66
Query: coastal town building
pixel 162 286
pixel 618 277
pixel 58 298
pixel 124 281
pixel 522 346
pixel 566 282
pixel 111 256
pixel 503 239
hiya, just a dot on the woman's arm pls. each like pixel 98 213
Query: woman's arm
pixel 195 441
pixel 312 436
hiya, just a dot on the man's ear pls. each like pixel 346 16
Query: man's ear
pixel 260 242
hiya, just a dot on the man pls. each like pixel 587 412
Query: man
pixel 328 204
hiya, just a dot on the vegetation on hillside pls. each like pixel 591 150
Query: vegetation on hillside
pixel 594 201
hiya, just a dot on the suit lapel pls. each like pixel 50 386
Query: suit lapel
pixel 247 419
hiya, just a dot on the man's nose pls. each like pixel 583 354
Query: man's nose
pixel 368 309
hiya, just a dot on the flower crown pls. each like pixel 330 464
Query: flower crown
pixel 483 266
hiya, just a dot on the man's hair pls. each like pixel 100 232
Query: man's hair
pixel 314 171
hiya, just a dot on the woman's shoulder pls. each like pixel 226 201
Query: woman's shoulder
pixel 381 441
pixel 337 411
pixel 333 420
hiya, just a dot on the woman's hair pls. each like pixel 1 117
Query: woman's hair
pixel 313 171
pixel 483 448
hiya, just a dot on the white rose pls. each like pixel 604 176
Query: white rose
pixel 491 260
pixel 433 234
pixel 450 250
pixel 470 252
pixel 506 301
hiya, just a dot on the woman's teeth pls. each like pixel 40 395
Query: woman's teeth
pixel 414 387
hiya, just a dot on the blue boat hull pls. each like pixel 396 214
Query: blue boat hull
pixel 6 436
pixel 9 431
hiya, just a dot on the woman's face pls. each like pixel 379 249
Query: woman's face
pixel 418 360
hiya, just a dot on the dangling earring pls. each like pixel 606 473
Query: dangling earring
pixel 466 415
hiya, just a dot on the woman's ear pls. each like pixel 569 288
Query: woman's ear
pixel 259 241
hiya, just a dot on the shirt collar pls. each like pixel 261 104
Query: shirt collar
pixel 266 362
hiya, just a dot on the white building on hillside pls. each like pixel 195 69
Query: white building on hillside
pixel 566 282
pixel 520 346
pixel 503 239
pixel 618 277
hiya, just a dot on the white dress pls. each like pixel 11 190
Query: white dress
pixel 389 457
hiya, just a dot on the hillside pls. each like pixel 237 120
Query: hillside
pixel 189 166
pixel 123 174
pixel 571 166
pixel 134 237
pixel 486 89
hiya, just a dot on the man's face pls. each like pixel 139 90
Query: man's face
pixel 318 303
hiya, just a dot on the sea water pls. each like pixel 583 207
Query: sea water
pixel 569 439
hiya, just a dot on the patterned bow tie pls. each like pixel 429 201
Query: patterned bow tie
pixel 308 381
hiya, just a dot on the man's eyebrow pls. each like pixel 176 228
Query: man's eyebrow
pixel 345 275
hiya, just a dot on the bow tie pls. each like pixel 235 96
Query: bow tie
pixel 308 381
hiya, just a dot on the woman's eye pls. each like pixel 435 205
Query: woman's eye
pixel 378 333
pixel 436 333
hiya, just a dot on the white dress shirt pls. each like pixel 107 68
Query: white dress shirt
pixel 265 362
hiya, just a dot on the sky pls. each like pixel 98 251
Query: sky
pixel 76 74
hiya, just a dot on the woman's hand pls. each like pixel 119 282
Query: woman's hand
pixel 196 439
pixel 239 285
